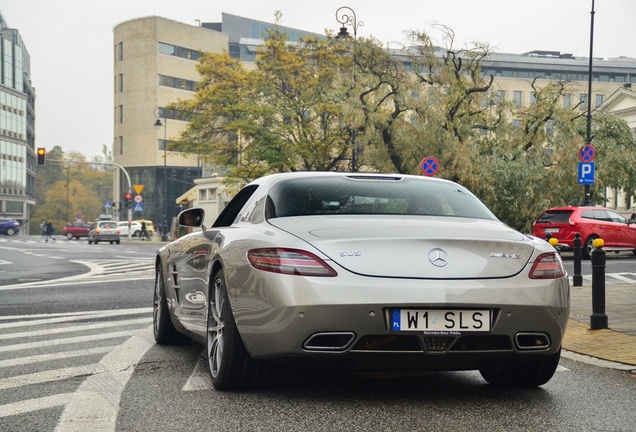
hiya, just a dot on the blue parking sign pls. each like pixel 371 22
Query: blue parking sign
pixel 586 173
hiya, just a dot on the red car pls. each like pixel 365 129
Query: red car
pixel 562 223
pixel 76 230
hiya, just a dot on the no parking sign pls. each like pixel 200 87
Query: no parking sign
pixel 429 166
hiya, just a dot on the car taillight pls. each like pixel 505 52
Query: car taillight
pixel 96 230
pixel 289 261
pixel 547 266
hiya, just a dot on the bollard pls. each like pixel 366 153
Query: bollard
pixel 577 278
pixel 598 319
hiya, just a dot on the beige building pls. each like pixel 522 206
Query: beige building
pixel 155 64
pixel 622 103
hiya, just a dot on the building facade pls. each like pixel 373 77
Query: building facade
pixel 17 128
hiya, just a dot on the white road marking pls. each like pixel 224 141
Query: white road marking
pixel 32 405
pixel 66 317
pixel 95 404
pixel 74 329
pixel 66 341
pixel 56 356
pixel 200 378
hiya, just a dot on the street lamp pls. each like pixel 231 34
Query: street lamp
pixel 158 124
pixel 347 18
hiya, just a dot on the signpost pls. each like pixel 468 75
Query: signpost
pixel 587 153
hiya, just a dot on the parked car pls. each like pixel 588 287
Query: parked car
pixel 135 228
pixel 76 230
pixel 9 226
pixel 374 270
pixel 562 223
pixel 102 231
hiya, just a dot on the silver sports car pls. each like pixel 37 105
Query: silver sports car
pixel 369 270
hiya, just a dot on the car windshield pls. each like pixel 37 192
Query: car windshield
pixel 371 195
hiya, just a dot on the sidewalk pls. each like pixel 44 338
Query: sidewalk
pixel 618 342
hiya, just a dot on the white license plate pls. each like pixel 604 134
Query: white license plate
pixel 441 320
pixel 551 230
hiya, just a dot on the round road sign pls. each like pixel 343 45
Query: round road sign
pixel 138 198
pixel 429 166
pixel 587 153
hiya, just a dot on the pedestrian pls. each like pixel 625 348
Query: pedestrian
pixel 49 230
pixel 144 231
pixel 43 228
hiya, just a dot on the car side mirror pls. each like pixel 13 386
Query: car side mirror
pixel 191 217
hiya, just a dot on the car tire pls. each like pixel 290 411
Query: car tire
pixel 10 231
pixel 588 247
pixel 164 331
pixel 69 236
pixel 533 373
pixel 231 366
pixel 118 241
pixel 137 234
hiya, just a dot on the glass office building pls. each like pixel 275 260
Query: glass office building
pixel 17 121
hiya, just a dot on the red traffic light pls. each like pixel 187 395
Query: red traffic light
pixel 41 156
pixel 128 196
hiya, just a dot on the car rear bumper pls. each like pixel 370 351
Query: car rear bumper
pixel 288 316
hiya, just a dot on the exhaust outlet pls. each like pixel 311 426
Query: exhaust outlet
pixel 532 341
pixel 329 341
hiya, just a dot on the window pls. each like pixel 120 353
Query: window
pixel 501 95
pixel 599 100
pixel 180 83
pixel 517 97
pixel 533 98
pixel 119 52
pixel 549 128
pixel 121 83
pixel 178 51
pixel 207 194
pixel 121 113
pixel 567 100
pixel 583 100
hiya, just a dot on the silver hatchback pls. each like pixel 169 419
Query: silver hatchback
pixel 104 231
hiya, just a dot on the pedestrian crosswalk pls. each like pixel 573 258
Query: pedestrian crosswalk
pixel 53 354
pixel 611 278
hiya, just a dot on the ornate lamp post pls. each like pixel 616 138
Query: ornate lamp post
pixel 347 18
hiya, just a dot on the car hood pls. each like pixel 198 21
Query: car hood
pixel 415 247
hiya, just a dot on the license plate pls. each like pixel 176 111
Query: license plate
pixel 441 320
pixel 551 230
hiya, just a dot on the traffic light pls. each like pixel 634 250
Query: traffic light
pixel 41 156
pixel 128 198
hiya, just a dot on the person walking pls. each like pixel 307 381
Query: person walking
pixel 49 230
pixel 144 231
pixel 43 228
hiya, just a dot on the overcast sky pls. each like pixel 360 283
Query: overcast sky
pixel 70 41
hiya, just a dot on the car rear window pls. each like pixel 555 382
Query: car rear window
pixel 555 216
pixel 372 196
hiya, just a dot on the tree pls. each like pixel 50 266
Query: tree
pixel 332 104
pixel 284 115
pixel 67 185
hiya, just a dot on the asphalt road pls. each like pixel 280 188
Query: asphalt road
pixel 77 354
